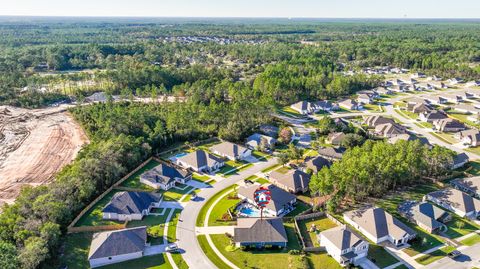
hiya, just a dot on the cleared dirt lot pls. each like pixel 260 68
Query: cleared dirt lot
pixel 34 145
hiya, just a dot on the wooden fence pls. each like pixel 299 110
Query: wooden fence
pixel 100 228
pixel 94 202
pixel 312 216
pixel 198 143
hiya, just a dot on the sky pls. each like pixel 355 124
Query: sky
pixel 246 8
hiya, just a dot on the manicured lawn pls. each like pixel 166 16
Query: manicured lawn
pixel 152 221
pixel 463 118
pixel 299 208
pixel 322 260
pixel 260 155
pixel 373 108
pixel 262 181
pixel 472 240
pixel 321 224
pixel 172 238
pixel 134 180
pixel 208 204
pixel 175 194
pixel 221 208
pixel 202 178
pixel 148 262
pixel 202 241
pixel 273 167
pixel 475 168
pixel 475 150
pixel 283 169
pixel 380 256
pixel 447 138
pixel 401 266
pixel 459 227
pixel 289 111
pixel 94 217
pixel 434 256
pixel 231 167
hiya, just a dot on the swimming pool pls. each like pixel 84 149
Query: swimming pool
pixel 250 212
pixel 174 158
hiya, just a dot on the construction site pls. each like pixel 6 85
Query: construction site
pixel 34 146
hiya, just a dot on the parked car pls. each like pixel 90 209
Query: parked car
pixel 248 181
pixel 454 254
pixel 171 248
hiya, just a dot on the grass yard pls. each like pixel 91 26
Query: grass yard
pixel 299 208
pixel 134 180
pixel 473 168
pixel 379 256
pixel 221 208
pixel 283 169
pixel 94 216
pixel 458 227
pixel 447 138
pixel 291 112
pixel 152 221
pixel 203 212
pixel 401 266
pixel 260 155
pixel 202 241
pixel 273 167
pixel 202 178
pixel 475 150
pixel 175 194
pixel 463 118
pixel 434 256
pixel 172 238
pixel 148 262
pixel 322 260
pixel 262 180
pixel 321 224
pixel 472 240
pixel 231 167
pixel 373 108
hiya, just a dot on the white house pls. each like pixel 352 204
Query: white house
pixel 379 226
pixel 231 151
pixel 281 203
pixel 164 176
pixel 117 246
pixel 201 161
pixel 454 200
pixel 454 81
pixel 129 205
pixel 343 245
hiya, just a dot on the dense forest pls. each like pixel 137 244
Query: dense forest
pixel 233 73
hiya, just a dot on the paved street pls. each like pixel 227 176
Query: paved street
pixel 470 258
pixel 186 235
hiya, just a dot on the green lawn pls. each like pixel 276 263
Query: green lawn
pixel 203 212
pixel 134 180
pixel 321 224
pixel 472 240
pixel 262 181
pixel 273 167
pixel 401 266
pixel 283 169
pixel 202 178
pixel 322 261
pixel 434 256
pixel 208 251
pixel 260 155
pixel 232 167
pixel 172 238
pixel 380 256
pixel 152 221
pixel 373 108
pixel 291 112
pixel 94 216
pixel 463 118
pixel 148 262
pixel 447 138
pixel 175 194
pixel 221 208
pixel 299 208
pixel 459 227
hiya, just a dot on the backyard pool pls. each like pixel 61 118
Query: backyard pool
pixel 250 212
pixel 174 158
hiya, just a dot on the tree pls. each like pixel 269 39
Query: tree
pixel 283 158
pixel 8 256
pixel 325 125
pixel 352 140
pixel 34 252
pixel 294 153
pixel 285 135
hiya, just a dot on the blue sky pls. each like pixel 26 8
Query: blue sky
pixel 247 8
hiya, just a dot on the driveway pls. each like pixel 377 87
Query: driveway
pixel 470 258
pixel 186 230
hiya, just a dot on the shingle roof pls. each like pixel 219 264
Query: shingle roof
pixel 200 158
pixel 317 163
pixel 255 139
pixel 164 173
pixel 470 183
pixel 334 153
pixel 129 202
pixel 255 230
pixel 120 242
pixel 342 237
pixel 293 179
pixel 428 214
pixel 460 158
pixel 379 223
pixel 229 149
pixel 279 197
pixel 457 199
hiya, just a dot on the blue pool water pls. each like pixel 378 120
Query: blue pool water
pixel 180 155
pixel 253 213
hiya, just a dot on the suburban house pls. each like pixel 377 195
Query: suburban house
pixel 379 226
pixel 465 133
pixel 315 164
pixel 419 108
pixel 449 125
pixel 419 75
pixel 335 138
pixel 452 98
pixel 436 78
pixel 470 185
pixel 400 137
pixel 429 217
pixel 330 153
pixel 383 91
pixel 435 100
pixel 468 109
pixel 453 81
pixel 457 201
pixel 397 88
pixel 326 105
pixel 293 181
pixel 281 203
pixel 390 129
pixel 465 95
pixel 201 161
pixel 117 246
pixel 432 116
pixel 164 176
pixel 364 99
pixel 350 104
pixel 343 245
pixel 304 107
pixel 255 140
pixel 231 151
pixel 473 83
pixel 373 121
pixel 269 130
pixel 460 160
pixel 472 140
pixel 129 205
pixel 259 233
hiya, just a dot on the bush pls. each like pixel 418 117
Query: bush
pixel 155 231
pixel 294 252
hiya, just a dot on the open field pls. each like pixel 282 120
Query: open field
pixel 34 146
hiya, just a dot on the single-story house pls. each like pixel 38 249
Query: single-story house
pixel 473 83
pixel 304 107
pixel 364 99
pixel 429 217
pixel 326 105
pixel 400 137
pixel 449 125
pixel 259 233
pixel 383 91
pixel 293 181
pixel 344 245
pixel 269 130
pixel 231 151
pixel 419 108
pixel 460 160
pixel 432 116
pixel 255 140
pixel 397 88
pixel 462 134
pixel 454 81
pixel 330 153
pixel 464 108
pixel 335 138
pixel 315 164
pixel 457 201
pixel 419 75
pixel 129 205
pixel 435 100
pixel 117 246
pixel 350 104
pixel 390 129
pixel 164 176
pixel 470 185
pixel 465 95
pixel 201 161
pixel 379 226
pixel 436 78
pixel 373 121
pixel 452 98
pixel 472 140
pixel 281 203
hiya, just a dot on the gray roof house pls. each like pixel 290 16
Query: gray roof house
pixel 231 151
pixel 129 205
pixel 457 201
pixel 460 160
pixel 304 107
pixel 379 226
pixel 470 185
pixel 335 138
pixel 373 121
pixel 269 130
pixel 344 245
pixel 164 176
pixel 254 141
pixel 449 125
pixel 293 181
pixel 427 216
pixel 317 163
pixel 331 153
pixel 432 116
pixel 201 161
pixel 390 129
pixel 258 233
pixel 350 104
pixel 280 204
pixel 117 246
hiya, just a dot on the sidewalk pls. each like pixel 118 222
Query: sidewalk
pixel 215 230
pixel 410 262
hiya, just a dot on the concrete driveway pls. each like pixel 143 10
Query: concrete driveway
pixel 470 258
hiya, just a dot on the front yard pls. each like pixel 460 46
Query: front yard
pixel 231 167
pixel 203 212
pixel 458 227
pixel 379 256
pixel 219 214
pixel 434 256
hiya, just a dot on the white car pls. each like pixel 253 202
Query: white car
pixel 171 248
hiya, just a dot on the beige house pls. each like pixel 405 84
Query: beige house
pixel 293 181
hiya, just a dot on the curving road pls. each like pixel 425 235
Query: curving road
pixel 186 235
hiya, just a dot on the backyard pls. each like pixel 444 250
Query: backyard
pixel 134 180
pixel 155 222
pixel 321 224
pixel 94 216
